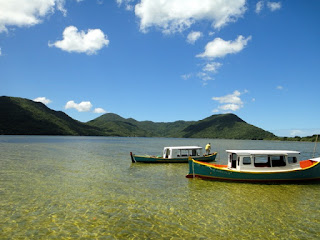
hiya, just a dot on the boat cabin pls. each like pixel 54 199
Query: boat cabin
pixel 182 152
pixel 262 160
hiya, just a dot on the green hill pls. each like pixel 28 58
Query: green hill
pixel 227 126
pixel 21 116
pixel 129 127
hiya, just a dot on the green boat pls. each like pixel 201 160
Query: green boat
pixel 258 166
pixel 178 154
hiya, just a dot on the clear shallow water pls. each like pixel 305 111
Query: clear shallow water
pixel 87 188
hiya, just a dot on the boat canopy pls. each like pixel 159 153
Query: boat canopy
pixel 184 147
pixel 262 160
pixel 262 152
pixel 182 151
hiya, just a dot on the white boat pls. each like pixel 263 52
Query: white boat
pixel 177 154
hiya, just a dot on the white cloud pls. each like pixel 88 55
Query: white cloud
pixel 273 6
pixel 280 87
pixel 230 102
pixel 219 48
pixel 230 98
pixel 208 71
pixel 259 6
pixel 84 106
pixel 43 100
pixel 204 76
pixel 186 76
pixel 99 110
pixel 0 52
pixel 26 13
pixel 127 3
pixel 193 37
pixel 296 132
pixel 81 42
pixel 177 15
pixel 212 67
pixel 230 106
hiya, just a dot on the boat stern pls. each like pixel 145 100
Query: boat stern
pixel 132 158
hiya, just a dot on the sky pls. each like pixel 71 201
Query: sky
pixel 167 60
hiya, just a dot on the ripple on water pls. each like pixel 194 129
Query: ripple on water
pixel 87 188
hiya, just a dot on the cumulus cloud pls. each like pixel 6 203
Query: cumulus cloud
pixel 219 48
pixel 208 71
pixel 177 15
pixel 193 37
pixel 43 100
pixel 230 102
pixel 259 6
pixel 81 42
pixel 273 6
pixel 205 77
pixel 84 106
pixel 24 13
pixel 99 110
pixel 212 67
pixel 127 3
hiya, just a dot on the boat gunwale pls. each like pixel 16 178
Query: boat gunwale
pixel 155 157
pixel 251 180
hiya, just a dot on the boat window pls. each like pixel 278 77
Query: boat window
pixel 246 160
pixel 262 161
pixel 184 153
pixel 278 161
pixel 195 152
pixel 234 156
pixel 292 160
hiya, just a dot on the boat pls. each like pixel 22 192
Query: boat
pixel 178 154
pixel 258 166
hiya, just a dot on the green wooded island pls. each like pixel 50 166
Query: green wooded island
pixel 20 116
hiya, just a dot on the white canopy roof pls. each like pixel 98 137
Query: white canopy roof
pixel 185 147
pixel 262 152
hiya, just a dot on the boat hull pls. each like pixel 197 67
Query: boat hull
pixel 218 172
pixel 154 159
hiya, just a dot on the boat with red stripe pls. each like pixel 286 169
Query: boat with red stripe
pixel 258 166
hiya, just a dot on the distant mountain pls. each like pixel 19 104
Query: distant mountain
pixel 26 117
pixel 113 123
pixel 227 126
pixel 19 116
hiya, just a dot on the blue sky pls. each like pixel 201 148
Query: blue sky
pixel 166 60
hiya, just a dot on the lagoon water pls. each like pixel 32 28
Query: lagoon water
pixel 87 188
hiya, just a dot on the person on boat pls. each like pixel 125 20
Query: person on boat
pixel 208 148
